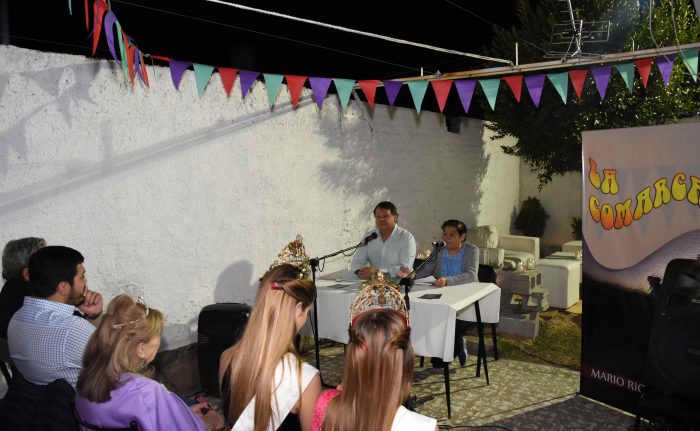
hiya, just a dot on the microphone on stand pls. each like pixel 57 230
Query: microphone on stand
pixel 438 244
pixel 369 238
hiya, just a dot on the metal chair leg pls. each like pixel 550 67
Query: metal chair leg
pixel 495 342
pixel 422 361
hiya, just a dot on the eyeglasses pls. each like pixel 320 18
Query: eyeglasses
pixel 141 301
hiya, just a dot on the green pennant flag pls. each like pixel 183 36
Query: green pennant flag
pixel 417 92
pixel 272 85
pixel 560 81
pixel 626 71
pixel 490 87
pixel 202 74
pixel 690 59
pixel 70 8
pixel 344 88
pixel 122 50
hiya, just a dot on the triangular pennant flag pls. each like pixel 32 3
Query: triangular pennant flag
pixel 578 78
pixel 130 51
pixel 369 88
pixel 490 87
pixel 319 87
pixel 690 59
pixel 142 70
pixel 644 67
pixel 534 84
pixel 87 15
pixel 70 7
pixel 202 75
pixel 665 65
pixel 392 89
pixel 177 68
pixel 228 77
pixel 601 76
pixel 121 37
pixel 344 88
pixel 515 83
pixel 626 71
pixel 272 84
pixel 109 21
pixel 465 90
pixel 99 8
pixel 560 81
pixel 441 90
pixel 294 84
pixel 247 79
pixel 417 89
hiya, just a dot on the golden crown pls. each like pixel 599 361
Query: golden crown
pixel 294 253
pixel 378 292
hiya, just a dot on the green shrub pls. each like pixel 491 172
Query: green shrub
pixel 532 218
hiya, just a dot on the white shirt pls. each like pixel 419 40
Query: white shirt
pixel 389 256
pixel 406 420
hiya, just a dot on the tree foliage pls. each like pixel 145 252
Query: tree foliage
pixel 549 137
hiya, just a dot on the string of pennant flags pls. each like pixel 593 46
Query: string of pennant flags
pixel 133 64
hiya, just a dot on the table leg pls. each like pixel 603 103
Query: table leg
pixel 482 345
pixel 446 370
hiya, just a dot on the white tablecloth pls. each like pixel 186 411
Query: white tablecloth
pixel 432 320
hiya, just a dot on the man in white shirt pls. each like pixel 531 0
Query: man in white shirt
pixel 393 251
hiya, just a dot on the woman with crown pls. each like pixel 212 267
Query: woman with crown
pixel 264 383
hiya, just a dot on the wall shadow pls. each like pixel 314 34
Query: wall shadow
pixel 236 284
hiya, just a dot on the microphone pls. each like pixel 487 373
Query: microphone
pixel 369 238
pixel 438 244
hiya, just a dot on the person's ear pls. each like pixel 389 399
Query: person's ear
pixel 63 288
pixel 25 274
pixel 141 350
pixel 299 309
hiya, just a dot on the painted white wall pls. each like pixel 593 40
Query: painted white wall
pixel 190 199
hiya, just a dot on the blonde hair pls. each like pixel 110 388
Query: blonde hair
pixel 268 337
pixel 378 373
pixel 112 351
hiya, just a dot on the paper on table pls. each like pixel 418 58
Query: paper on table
pixel 425 280
pixel 347 277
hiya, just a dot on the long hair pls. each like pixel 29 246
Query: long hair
pixel 112 351
pixel 378 374
pixel 267 338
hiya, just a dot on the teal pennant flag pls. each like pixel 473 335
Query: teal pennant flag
pixel 344 88
pixel 122 50
pixel 690 59
pixel 417 92
pixel 272 85
pixel 202 75
pixel 626 71
pixel 490 87
pixel 560 81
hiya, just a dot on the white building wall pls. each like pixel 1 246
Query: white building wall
pixel 190 199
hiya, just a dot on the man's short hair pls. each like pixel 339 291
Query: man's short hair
pixel 15 256
pixel 51 265
pixel 386 205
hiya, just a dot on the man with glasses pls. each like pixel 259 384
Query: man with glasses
pixel 46 340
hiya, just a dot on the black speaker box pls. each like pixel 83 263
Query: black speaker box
pixel 220 327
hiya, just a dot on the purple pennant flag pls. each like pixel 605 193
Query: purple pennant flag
pixel 601 76
pixel 137 64
pixel 665 65
pixel 392 90
pixel 247 79
pixel 177 69
pixel 465 90
pixel 109 21
pixel 534 84
pixel 319 86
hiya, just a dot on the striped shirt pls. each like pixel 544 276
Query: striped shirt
pixel 47 341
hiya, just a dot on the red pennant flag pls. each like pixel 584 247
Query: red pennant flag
pixel 578 78
pixel 441 90
pixel 295 83
pixel 644 67
pixel 87 15
pixel 369 88
pixel 130 61
pixel 144 72
pixel 515 83
pixel 228 77
pixel 162 58
pixel 100 8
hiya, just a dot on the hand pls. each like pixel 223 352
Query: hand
pixel 404 272
pixel 213 420
pixel 92 304
pixel 440 282
pixel 366 272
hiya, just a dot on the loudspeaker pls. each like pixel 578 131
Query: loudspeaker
pixel 220 327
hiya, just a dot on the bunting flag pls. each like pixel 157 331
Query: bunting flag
pixel 465 91
pixel 141 67
pixel 560 81
pixel 665 65
pixel 177 69
pixel 70 8
pixel 228 77
pixel 319 87
pixel 626 71
pixel 534 84
pixel 515 83
pixel 100 7
pixel 417 89
pixel 272 85
pixel 441 90
pixel 87 15
pixel 578 78
pixel 601 76
pixel 369 88
pixel 247 78
pixel 392 89
pixel 109 21
pixel 130 51
pixel 490 87
pixel 344 88
pixel 202 75
pixel 644 67
pixel 690 59
pixel 122 51
pixel 294 84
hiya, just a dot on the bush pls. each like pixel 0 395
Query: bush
pixel 576 228
pixel 532 218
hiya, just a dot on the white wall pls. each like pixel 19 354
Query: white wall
pixel 190 198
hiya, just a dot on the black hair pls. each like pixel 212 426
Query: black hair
pixel 387 206
pixel 51 265
pixel 461 227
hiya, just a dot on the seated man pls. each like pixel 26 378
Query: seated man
pixel 46 340
pixel 393 251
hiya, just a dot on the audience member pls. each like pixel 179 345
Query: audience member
pixel 264 383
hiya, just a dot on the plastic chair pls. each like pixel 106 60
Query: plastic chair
pixel 487 274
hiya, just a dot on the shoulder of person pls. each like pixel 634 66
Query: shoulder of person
pixel 470 246
pixel 407 420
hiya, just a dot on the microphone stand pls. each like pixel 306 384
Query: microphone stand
pixel 407 282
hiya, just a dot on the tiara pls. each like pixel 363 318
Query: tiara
pixel 294 253
pixel 377 293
